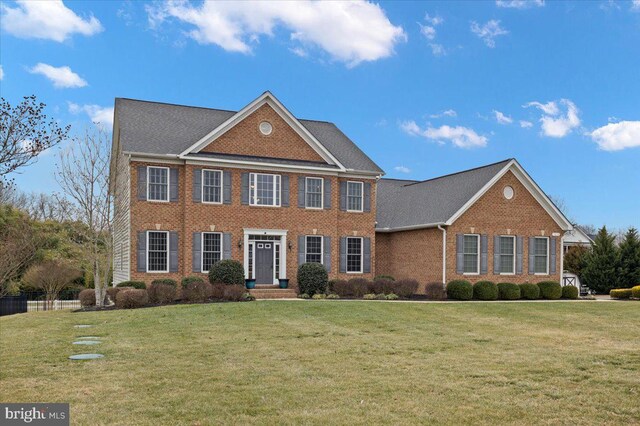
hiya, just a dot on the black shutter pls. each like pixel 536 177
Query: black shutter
pixel 245 188
pixel 366 260
pixel 326 259
pixel 142 252
pixel 519 252
pixel 459 254
pixel 197 185
pixel 302 187
pixel 284 196
pixel 496 254
pixel 484 254
pixel 173 251
pixel 343 254
pixel 173 184
pixel 532 257
pixel 226 183
pixel 343 196
pixel 142 183
pixel 552 257
pixel 367 197
pixel 302 248
pixel 327 193
pixel 196 253
pixel 226 245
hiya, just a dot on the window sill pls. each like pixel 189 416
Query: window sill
pixel 156 201
pixel 213 203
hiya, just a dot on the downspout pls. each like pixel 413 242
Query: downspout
pixel 444 254
pixel 562 259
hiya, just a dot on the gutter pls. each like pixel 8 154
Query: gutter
pixel 411 227
pixel 444 255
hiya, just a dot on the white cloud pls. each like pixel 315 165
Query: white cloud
pixel 50 20
pixel 402 169
pixel 61 77
pixel 350 32
pixel 519 4
pixel 555 123
pixel 617 136
pixel 488 32
pixel 437 49
pixel 446 113
pixel 98 114
pixel 502 118
pixel 526 124
pixel 635 5
pixel 429 30
pixel 461 137
pixel 1 73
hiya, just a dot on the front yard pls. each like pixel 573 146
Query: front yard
pixel 333 362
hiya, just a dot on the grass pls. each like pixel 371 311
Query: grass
pixel 275 362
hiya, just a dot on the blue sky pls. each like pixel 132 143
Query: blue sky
pixel 425 88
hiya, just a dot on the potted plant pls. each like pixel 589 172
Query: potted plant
pixel 250 283
pixel 284 282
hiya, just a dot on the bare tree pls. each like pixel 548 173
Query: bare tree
pixel 25 133
pixel 18 246
pixel 52 276
pixel 39 206
pixel 83 174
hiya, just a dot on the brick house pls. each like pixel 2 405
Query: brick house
pixel 195 185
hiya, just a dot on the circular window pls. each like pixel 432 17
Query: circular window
pixel 266 128
pixel 508 192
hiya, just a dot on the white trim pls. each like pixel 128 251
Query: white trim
pixel 202 270
pixel 277 194
pixel 534 256
pixel 411 227
pixel 513 237
pixel 306 245
pixel 269 99
pixel 283 248
pixel 168 184
pixel 147 253
pixel 444 254
pixel 306 178
pixel 221 187
pixel 346 266
pixel 150 158
pixel 361 196
pixel 477 254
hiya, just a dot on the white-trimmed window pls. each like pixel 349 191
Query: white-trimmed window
pixel 541 255
pixel 354 255
pixel 354 196
pixel 157 183
pixel 313 249
pixel 212 186
pixel 471 254
pixel 264 189
pixel 211 249
pixel 314 192
pixel 507 250
pixel 157 251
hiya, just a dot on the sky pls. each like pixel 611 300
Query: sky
pixel 424 88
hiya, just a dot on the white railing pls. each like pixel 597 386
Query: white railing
pixel 41 305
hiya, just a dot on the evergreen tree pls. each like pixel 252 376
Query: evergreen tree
pixel 629 266
pixel 601 266
pixel 575 259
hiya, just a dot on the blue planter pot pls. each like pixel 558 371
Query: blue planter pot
pixel 284 282
pixel 250 283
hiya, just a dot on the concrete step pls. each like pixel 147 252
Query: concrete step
pixel 273 293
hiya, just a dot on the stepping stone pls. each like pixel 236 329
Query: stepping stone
pixel 86 342
pixel 83 326
pixel 89 337
pixel 86 356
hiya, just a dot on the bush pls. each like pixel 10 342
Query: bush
pixel 248 297
pixel 508 291
pixel 381 286
pixel 570 292
pixel 319 296
pixel 197 291
pixel 167 281
pixel 381 296
pixel 355 287
pixel 333 296
pixel 459 290
pixel 191 279
pixel 230 272
pixel 405 288
pixel 369 296
pixel 87 297
pixel 304 296
pixel 132 298
pixel 384 277
pixel 392 296
pixel 550 290
pixel 485 290
pixel 162 291
pixel 234 292
pixel 217 291
pixel 112 292
pixel 620 293
pixel 635 292
pixel 529 291
pixel 435 291
pixel 312 278
pixel 330 285
pixel 133 284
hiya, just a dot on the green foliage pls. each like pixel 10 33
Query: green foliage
pixel 369 296
pixel 304 296
pixel 319 296
pixel 248 297
pixel 550 290
pixel 635 292
pixel 191 279
pixel 392 296
pixel 529 291
pixel 620 293
pixel 508 291
pixel 312 278
pixel 383 277
pixel 381 296
pixel 575 259
pixel 333 296
pixel 459 290
pixel 135 284
pixel 167 281
pixel 601 263
pixel 570 292
pixel 230 272
pixel 629 265
pixel 485 290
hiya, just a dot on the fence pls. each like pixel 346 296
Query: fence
pixel 35 302
pixel 42 305
pixel 10 305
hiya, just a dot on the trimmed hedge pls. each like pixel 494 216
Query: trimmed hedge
pixel 112 292
pixel 405 288
pixel 635 292
pixel 550 290
pixel 133 284
pixel 620 293
pixel 459 290
pixel 570 292
pixel 382 285
pixel 383 277
pixel 87 297
pixel 435 291
pixel 508 291
pixel 355 287
pixel 162 291
pixel 529 291
pixel 234 293
pixel 167 281
pixel 485 290
pixel 230 272
pixel 191 279
pixel 197 291
pixel 312 278
pixel 132 298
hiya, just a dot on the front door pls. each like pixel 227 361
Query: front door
pixel 264 263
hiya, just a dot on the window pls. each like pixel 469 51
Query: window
pixel 264 189
pixel 354 255
pixel 507 252
pixel 314 249
pixel 540 253
pixel 314 192
pixel 211 250
pixel 157 251
pixel 158 184
pixel 470 250
pixel 276 247
pixel 354 196
pixel 212 186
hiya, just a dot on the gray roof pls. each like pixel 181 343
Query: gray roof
pixel 405 203
pixel 159 128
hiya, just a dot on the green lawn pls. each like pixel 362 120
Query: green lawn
pixel 322 362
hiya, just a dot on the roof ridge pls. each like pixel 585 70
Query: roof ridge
pixel 174 104
pixel 403 180
pixel 460 172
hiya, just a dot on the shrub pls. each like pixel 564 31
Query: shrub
pixel 381 296
pixel 392 296
pixel 197 291
pixel 620 293
pixel 319 296
pixel 550 290
pixel 132 298
pixel 234 292
pixel 330 285
pixel 459 290
pixel 167 281
pixel 529 291
pixel 635 292
pixel 355 287
pixel 112 292
pixel 369 296
pixel 217 291
pixel 312 278
pixel 383 277
pixel 191 279
pixel 508 291
pixel 570 292
pixel 485 290
pixel 133 284
pixel 405 288
pixel 304 296
pixel 162 291
pixel 435 291
pixel 333 296
pixel 87 297
pixel 248 297
pixel 230 272
pixel 381 286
